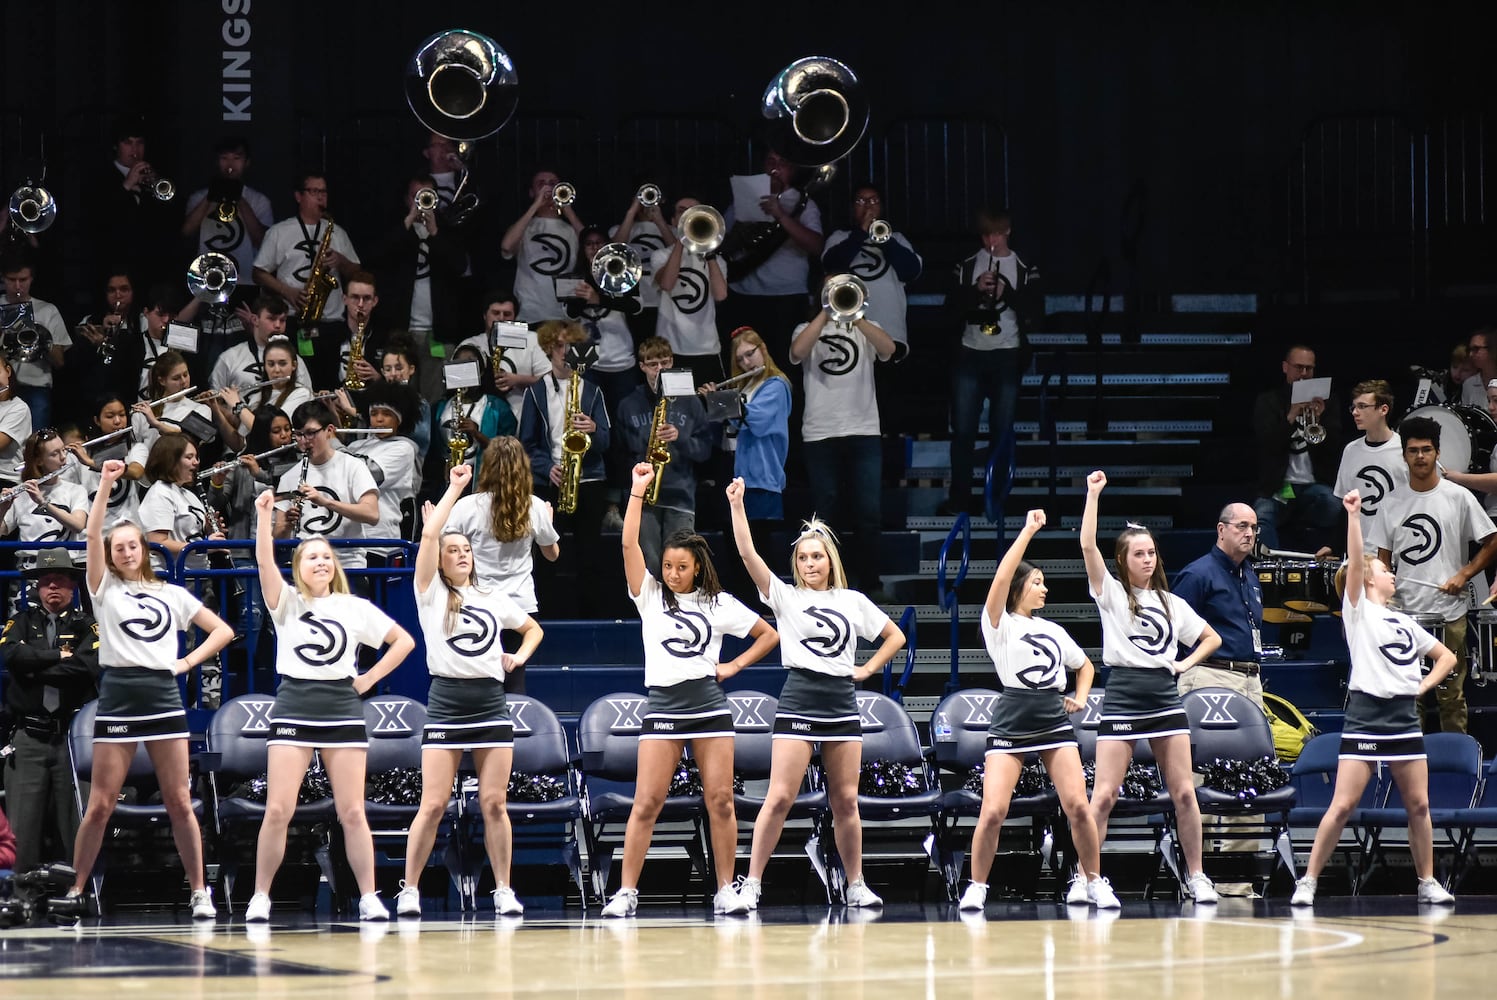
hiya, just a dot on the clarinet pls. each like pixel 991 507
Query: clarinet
pixel 300 501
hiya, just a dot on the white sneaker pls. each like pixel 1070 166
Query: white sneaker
pixel 201 903
pixel 370 907
pixel 858 894
pixel 623 903
pixel 1201 888
pixel 258 910
pixel 1304 892
pixel 506 903
pixel 749 890
pixel 975 898
pixel 1099 891
pixel 727 900
pixel 408 901
pixel 1431 891
pixel 1077 895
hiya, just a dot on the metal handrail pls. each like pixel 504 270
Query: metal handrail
pixel 946 595
pixel 892 688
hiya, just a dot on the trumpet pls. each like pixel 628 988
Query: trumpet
pixel 648 195
pixel 702 229
pixel 845 298
pixel 427 200
pixel 616 269
pixel 563 194
pixel 233 463
pixel 879 231
pixel 228 204
pixel 1310 426
pixel 161 188
pixel 32 208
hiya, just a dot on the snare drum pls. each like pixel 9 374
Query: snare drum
pixel 1467 435
pixel 1435 626
pixel 1482 663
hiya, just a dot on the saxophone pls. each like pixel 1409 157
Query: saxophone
pixel 657 453
pixel 320 282
pixel 352 380
pixel 457 444
pixel 496 354
pixel 574 445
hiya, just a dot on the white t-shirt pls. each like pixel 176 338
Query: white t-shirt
pixel 788 269
pixel 392 464
pixel 243 365
pixel 342 477
pixel 289 248
pixel 176 510
pixel 319 639
pixel 503 566
pixel 530 360
pixel 1147 641
pixel 615 343
pixel 15 423
pixel 150 350
pixel 1428 535
pixel 547 251
pixel 1030 652
pixel 45 316
pixel 683 645
pixel 1007 334
pixel 1386 647
pixel 646 240
pixel 1375 471
pixel 32 523
pixel 688 312
pixel 819 629
pixel 124 498
pixel 231 238
pixel 139 622
pixel 838 382
pixel 473 649
pixel 146 435
pixel 886 297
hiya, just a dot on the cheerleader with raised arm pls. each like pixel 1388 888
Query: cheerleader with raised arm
pixel 139 619
pixel 684 616
pixel 820 621
pixel 1032 655
pixel 1382 720
pixel 1142 624
pixel 44 512
pixel 465 708
pixel 319 629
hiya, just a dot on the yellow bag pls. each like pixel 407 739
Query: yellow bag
pixel 1291 730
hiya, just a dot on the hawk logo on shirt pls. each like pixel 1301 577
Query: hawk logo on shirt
pixel 1155 635
pixel 1424 538
pixel 223 237
pixel 553 255
pixel 1402 652
pixel 690 293
pixel 695 631
pixel 423 260
pixel 869 264
pixel 1374 483
pixel 329 641
pixel 309 248
pixel 154 622
pixel 321 520
pixel 1042 674
pixel 834 633
pixel 841 354
pixel 477 630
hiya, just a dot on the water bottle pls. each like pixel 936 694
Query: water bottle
pixel 941 729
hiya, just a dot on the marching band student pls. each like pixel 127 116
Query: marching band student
pixel 391 458
pixel 110 416
pixel 1382 724
pixel 1142 622
pixel 503 520
pixel 329 494
pixel 319 628
pixel 233 493
pixel 484 417
pixel 686 698
pixel 138 695
pixel 54 511
pixel 543 244
pixel 1032 656
pixel 15 424
pixel 171 513
pixel 235 412
pixel 818 703
pixel 466 709
pixel 168 375
pixel 399 366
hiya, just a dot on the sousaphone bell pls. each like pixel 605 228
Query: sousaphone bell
pixel 817 111
pixel 32 208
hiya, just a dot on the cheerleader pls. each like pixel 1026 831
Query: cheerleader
pixel 1382 722
pixel 168 375
pixel 171 512
pixel 683 620
pixel 319 628
pixel 44 513
pixel 1142 623
pixel 15 424
pixel 465 709
pixel 139 699
pixel 821 621
pixel 1032 656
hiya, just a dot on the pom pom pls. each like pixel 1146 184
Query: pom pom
pixel 535 787
pixel 1033 780
pixel 400 786
pixel 1245 779
pixel 688 780
pixel 887 779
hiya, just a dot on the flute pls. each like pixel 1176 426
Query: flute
pixel 740 378
pixel 103 438
pixel 172 397
pixel 216 393
pixel 374 431
pixel 229 466
pixel 12 494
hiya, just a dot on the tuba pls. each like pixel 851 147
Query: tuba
pixel 616 269
pixel 817 111
pixel 702 228
pixel 321 282
pixel 845 298
pixel 211 277
pixel 574 445
pixel 32 208
pixel 657 452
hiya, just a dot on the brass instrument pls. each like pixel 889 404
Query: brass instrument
pixel 459 442
pixel 879 231
pixel 845 298
pixel 648 195
pixel 817 111
pixel 563 194
pixel 702 228
pixel 23 341
pixel 159 187
pixel 989 329
pixel 574 444
pixel 656 451
pixel 427 200
pixel 320 283
pixel 228 202
pixel 227 212
pixel 32 208
pixel 352 380
pixel 211 277
pixel 110 345
pixel 1310 426
pixel 616 269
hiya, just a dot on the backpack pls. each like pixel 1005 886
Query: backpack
pixel 1291 730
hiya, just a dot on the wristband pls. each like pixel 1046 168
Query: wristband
pixel 240 407
pixel 637 496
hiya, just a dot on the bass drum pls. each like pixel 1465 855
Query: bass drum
pixel 1467 435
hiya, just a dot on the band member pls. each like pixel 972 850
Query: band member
pixel 886 265
pixel 686 699
pixel 33 378
pixel 1032 656
pixel 391 458
pixel 1382 726
pixel 140 350
pixel 236 414
pixel 311 496
pixel 93 362
pixel 54 511
pixel 138 696
pixel 818 704
pixel 606 319
pixel 543 244
pixel 466 708
pixel 519 368
pixel 171 512
pixel 233 493
pixel 484 416
pixel 319 629
pixel 243 365
pixel 151 420
pixel 286 256
pixel 689 286
pixel 1142 623
pixel 15 424
pixel 1372 464
pixel 110 417
pixel 228 216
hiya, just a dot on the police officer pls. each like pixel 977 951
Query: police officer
pixel 51 655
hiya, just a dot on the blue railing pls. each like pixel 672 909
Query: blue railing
pixel 892 688
pixel 946 593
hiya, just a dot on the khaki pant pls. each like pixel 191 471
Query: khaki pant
pixel 1250 687
pixel 1451 693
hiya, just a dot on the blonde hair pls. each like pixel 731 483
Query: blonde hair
pixel 1369 560
pixel 1157 582
pixel 748 335
pixel 816 530
pixel 340 579
pixel 505 476
pixel 147 570
pixel 454 599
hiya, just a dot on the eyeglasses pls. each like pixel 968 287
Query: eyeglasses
pixel 867 201
pixel 314 190
pixel 308 432
pixel 1358 407
pixel 1242 525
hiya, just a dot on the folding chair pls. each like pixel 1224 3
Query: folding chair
pixel 1314 782
pixel 1460 826
pixel 1455 772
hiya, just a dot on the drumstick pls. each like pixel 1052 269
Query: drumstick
pixel 1420 583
